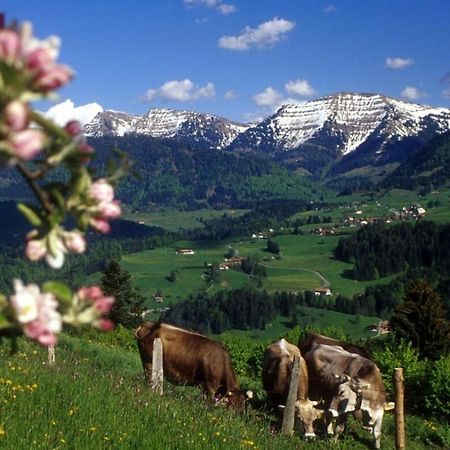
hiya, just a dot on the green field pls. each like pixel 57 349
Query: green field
pixel 95 397
pixel 307 263
pixel 395 199
pixel 174 220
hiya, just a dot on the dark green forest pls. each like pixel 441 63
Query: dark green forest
pixel 378 250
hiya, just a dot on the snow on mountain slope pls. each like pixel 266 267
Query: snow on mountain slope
pixel 191 127
pixel 352 118
pixel 110 123
pixel 338 124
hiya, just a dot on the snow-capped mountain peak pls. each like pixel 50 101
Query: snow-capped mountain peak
pixel 191 127
pixel 347 117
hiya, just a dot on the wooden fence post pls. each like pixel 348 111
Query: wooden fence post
pixel 51 355
pixel 289 410
pixel 399 409
pixel 157 367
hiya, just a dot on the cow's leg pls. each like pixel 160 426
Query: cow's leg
pixel 329 422
pixel 376 430
pixel 148 373
pixel 210 391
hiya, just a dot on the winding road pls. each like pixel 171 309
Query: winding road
pixel 325 282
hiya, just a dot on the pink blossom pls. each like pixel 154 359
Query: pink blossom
pixel 86 148
pixel 104 304
pixel 39 57
pixel 73 127
pixel 27 144
pixel 100 224
pixel 52 77
pixel 24 301
pixel 102 191
pixel 37 332
pixel 110 210
pixel 37 312
pixel 16 115
pixel 9 45
pixel 35 249
pixel 90 292
pixel 104 324
pixel 74 242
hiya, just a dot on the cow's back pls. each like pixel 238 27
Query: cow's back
pixel 311 339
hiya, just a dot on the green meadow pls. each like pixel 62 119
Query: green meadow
pixel 95 397
pixel 174 220
pixel 306 263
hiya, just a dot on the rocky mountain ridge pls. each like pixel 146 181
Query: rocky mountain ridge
pixel 346 129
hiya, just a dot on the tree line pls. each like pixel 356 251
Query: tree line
pixel 377 250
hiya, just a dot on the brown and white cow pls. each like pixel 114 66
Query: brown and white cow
pixel 191 358
pixel 277 368
pixel 347 382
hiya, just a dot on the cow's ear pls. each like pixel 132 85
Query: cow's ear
pixel 388 406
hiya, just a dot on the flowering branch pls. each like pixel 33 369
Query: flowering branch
pixel 34 146
pixel 38 192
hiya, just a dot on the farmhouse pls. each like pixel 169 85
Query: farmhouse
pixel 234 261
pixel 322 291
pixel 185 251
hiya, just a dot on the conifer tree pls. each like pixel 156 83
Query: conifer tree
pixel 422 320
pixel 129 301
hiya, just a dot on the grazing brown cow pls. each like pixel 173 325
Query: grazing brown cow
pixel 277 368
pixel 347 382
pixel 190 358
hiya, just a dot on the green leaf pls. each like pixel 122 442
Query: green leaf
pixel 60 290
pixel 4 322
pixel 56 191
pixel 31 213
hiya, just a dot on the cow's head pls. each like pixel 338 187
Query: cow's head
pixel 307 414
pixel 236 398
pixel 143 330
pixel 348 395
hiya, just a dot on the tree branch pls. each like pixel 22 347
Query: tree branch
pixel 38 192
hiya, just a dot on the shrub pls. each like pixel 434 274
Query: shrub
pixel 246 355
pixel 402 354
pixel 437 399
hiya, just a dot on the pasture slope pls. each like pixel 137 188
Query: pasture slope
pixel 95 398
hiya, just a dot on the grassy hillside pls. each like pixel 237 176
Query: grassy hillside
pixel 95 398
pixel 306 261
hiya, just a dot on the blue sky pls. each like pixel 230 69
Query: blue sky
pixel 241 59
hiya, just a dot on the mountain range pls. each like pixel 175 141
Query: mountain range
pixel 331 136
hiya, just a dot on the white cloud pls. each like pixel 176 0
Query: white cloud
pixel 299 87
pixel 226 8
pixel 330 9
pixel 222 8
pixel 446 93
pixel 230 95
pixel 65 111
pixel 412 93
pixel 265 35
pixel 272 99
pixel 179 91
pixel 269 97
pixel 398 63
